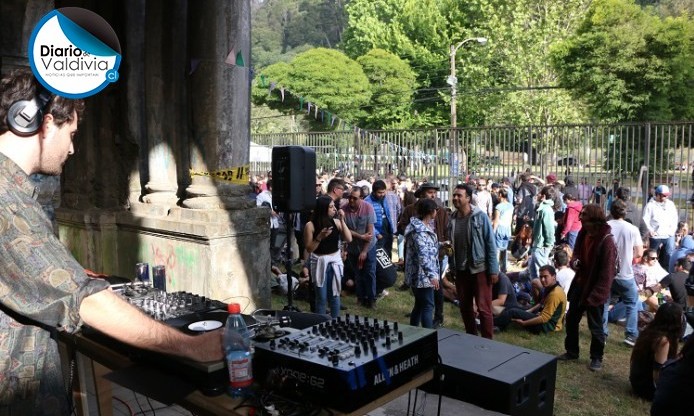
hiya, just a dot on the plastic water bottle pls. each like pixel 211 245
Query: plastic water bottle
pixel 238 351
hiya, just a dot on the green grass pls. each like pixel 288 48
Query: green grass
pixel 578 390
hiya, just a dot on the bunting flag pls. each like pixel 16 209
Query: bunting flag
pixel 239 175
pixel 193 65
pixel 231 57
pixel 239 60
pixel 272 86
pixel 308 108
pixel 263 82
pixel 301 103
pixel 282 93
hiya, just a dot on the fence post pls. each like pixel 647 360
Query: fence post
pixel 647 161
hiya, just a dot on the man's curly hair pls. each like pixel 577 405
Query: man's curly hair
pixel 21 85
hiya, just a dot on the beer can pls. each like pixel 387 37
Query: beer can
pixel 159 277
pixel 142 272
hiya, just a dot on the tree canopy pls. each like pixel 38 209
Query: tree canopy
pixel 324 77
pixel 629 64
pixel 545 62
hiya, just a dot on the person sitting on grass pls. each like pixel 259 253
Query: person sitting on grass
pixel 544 317
pixel 675 384
pixel 503 295
pixel 648 275
pixel 656 344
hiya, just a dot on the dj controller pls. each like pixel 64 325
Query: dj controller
pixel 343 363
pixel 346 363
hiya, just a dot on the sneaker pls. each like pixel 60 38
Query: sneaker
pixel 595 364
pixel 566 357
pixel 437 323
pixel 383 294
pixel 630 340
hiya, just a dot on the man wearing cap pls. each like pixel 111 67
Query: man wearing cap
pixel 660 217
pixel 428 190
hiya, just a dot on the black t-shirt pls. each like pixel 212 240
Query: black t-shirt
pixel 330 243
pixel 675 282
pixel 675 384
pixel 598 194
pixel 505 287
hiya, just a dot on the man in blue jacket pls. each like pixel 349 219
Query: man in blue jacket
pixel 474 261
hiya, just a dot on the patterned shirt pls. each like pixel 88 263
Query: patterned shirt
pixel 41 288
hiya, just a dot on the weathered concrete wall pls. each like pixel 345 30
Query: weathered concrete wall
pixel 215 253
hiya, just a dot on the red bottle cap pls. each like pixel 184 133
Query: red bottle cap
pixel 234 308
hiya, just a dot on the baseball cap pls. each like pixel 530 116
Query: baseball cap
pixel 662 189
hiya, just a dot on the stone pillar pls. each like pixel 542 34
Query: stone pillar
pixel 218 30
pixel 161 185
pixel 17 20
pixel 133 79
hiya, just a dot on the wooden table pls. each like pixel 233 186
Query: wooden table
pixel 105 359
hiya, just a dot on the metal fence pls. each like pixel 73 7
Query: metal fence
pixel 640 155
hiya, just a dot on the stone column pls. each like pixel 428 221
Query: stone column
pixel 219 31
pixel 161 185
pixel 17 20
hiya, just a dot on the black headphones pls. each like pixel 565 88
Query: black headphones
pixel 24 118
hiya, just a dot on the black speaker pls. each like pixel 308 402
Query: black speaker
pixel 293 178
pixel 496 376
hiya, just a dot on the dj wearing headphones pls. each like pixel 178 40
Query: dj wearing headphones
pixel 43 289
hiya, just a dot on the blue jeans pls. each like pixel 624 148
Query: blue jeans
pixel 571 238
pixel 423 308
pixel 667 250
pixel 538 258
pixel 364 278
pixel 628 307
pixel 325 294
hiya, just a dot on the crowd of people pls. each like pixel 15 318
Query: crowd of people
pixel 576 250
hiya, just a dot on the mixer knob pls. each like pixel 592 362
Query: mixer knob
pixel 357 350
pixel 395 326
pixel 336 360
pixel 272 344
pixel 400 337
pixel 388 342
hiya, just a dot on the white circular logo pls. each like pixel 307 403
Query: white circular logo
pixel 69 60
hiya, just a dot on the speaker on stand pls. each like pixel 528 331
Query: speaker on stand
pixel 293 191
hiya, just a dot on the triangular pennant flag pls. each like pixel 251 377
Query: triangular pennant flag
pixel 193 65
pixel 273 85
pixel 308 106
pixel 282 93
pixel 315 115
pixel 332 120
pixel 230 58
pixel 239 60
pixel 263 82
pixel 301 103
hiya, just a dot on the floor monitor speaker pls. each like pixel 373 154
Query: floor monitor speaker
pixel 496 376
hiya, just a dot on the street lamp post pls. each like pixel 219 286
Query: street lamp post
pixel 453 82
